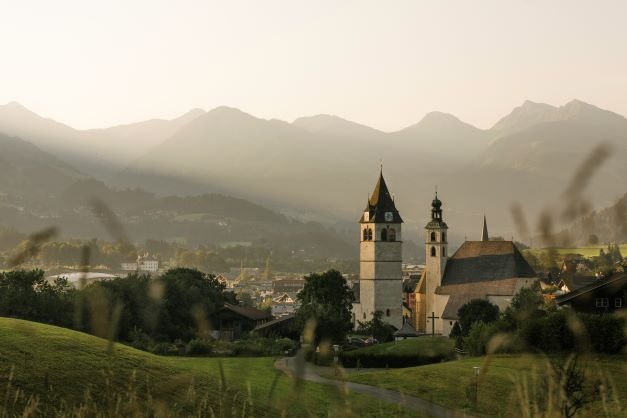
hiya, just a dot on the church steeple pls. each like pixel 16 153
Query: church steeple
pixel 436 214
pixel 381 207
pixel 484 233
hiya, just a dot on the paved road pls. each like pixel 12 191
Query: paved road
pixel 294 366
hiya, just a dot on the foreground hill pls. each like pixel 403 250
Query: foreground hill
pixel 65 369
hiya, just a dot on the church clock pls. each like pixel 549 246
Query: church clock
pixel 389 216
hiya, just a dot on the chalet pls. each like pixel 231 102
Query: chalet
pixel 601 296
pixel 280 327
pixel 236 321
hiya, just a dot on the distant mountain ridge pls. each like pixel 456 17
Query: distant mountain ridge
pixel 323 166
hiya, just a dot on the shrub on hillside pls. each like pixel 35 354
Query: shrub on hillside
pixel 372 357
pixel 605 332
pixel 198 347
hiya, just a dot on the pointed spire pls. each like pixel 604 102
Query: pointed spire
pixel 484 233
pixel 381 202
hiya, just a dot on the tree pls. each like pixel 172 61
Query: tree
pixel 245 299
pixel 326 299
pixel 526 304
pixel 377 328
pixel 477 310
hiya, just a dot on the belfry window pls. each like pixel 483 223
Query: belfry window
pixel 365 237
pixel 369 235
pixel 432 251
pixel 443 251
pixel 433 237
pixel 392 235
pixel 384 235
pixel 443 236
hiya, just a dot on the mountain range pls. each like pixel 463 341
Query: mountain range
pixel 323 167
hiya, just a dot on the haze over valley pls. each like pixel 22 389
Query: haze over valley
pixel 317 168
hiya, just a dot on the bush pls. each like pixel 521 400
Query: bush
pixel 355 358
pixel 258 346
pixel 605 332
pixel 406 353
pixel 198 347
pixel 165 349
pixel 478 337
pixel 559 332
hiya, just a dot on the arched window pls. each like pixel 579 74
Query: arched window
pixel 432 251
pixel 369 234
pixel 387 312
pixel 365 234
pixel 443 236
pixel 384 235
pixel 364 315
pixel 443 251
pixel 392 235
pixel 433 237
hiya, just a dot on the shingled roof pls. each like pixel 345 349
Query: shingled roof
pixel 248 312
pixel 460 294
pixel 482 261
pixel 379 203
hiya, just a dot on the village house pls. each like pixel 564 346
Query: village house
pixel 234 322
pixel 601 296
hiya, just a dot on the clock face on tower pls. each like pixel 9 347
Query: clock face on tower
pixel 389 216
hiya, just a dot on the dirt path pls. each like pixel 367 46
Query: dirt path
pixel 293 366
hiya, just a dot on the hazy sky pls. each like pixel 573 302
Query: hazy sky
pixel 382 63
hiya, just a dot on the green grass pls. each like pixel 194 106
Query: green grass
pixel 587 251
pixel 447 383
pixel 60 365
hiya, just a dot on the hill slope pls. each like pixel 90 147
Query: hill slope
pixel 26 172
pixel 59 365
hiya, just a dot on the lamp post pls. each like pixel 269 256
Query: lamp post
pixel 476 384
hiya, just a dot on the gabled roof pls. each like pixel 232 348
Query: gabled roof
pixel 275 322
pixel 406 331
pixel 379 203
pixel 481 261
pixel 575 281
pixel 617 280
pixel 248 312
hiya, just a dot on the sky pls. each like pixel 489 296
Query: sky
pixel 385 64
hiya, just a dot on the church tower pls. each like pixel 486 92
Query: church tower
pixel 380 258
pixel 436 255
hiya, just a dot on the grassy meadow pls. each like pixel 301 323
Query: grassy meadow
pixel 587 251
pixel 65 372
pixel 508 385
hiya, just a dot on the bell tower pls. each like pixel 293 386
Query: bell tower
pixel 436 244
pixel 380 258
